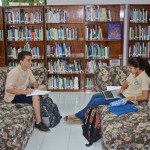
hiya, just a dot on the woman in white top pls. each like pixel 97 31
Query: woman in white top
pixel 135 89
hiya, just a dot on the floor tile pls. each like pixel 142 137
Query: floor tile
pixel 64 136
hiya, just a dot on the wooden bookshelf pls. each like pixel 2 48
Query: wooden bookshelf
pixel 25 31
pixel 69 32
pixel 139 31
pixel 2 43
pixel 65 47
pixel 99 48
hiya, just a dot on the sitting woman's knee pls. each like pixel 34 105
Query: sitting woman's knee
pixel 95 102
pixel 42 87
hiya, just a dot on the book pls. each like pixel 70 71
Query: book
pixel 114 31
pixel 38 92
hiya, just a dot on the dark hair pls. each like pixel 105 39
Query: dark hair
pixel 22 55
pixel 140 63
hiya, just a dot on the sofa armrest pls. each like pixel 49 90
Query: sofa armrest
pixel 40 75
pixel 110 76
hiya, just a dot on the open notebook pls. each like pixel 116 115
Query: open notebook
pixel 38 92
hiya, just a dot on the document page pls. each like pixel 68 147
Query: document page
pixel 110 88
pixel 38 92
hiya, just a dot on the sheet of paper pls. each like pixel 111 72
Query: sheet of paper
pixel 109 88
pixel 38 92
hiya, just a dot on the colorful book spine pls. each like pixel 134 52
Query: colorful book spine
pixel 63 83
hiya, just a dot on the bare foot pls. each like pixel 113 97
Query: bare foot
pixel 73 119
pixel 70 117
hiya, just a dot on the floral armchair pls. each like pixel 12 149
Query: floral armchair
pixel 16 124
pixel 128 131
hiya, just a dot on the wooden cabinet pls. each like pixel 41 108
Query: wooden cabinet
pixel 103 38
pixel 25 31
pixel 65 32
pixel 2 43
pixel 139 31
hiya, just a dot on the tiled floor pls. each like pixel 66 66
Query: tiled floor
pixel 64 136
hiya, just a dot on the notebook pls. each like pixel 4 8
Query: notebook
pixel 123 109
pixel 113 94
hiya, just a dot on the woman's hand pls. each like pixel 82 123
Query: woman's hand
pixel 119 90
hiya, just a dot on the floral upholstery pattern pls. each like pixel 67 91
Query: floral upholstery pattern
pixel 129 131
pixel 40 75
pixel 109 76
pixel 3 75
pixel 16 124
pixel 126 132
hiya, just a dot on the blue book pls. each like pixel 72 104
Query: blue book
pixel 114 31
pixel 122 109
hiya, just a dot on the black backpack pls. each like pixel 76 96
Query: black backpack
pixel 49 112
pixel 91 125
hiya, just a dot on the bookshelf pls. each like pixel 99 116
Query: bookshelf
pixel 71 40
pixel 2 43
pixel 25 31
pixel 65 47
pixel 100 47
pixel 139 31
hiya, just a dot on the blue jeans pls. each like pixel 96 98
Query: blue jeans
pixel 97 99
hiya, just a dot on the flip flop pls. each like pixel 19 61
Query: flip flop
pixel 73 121
pixel 76 121
pixel 65 118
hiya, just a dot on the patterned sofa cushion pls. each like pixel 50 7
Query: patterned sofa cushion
pixel 39 73
pixel 3 74
pixel 125 132
pixel 109 76
pixel 16 125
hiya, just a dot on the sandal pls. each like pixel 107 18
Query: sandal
pixel 77 121
pixel 66 118
pixel 71 120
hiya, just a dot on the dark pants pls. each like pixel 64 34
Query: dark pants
pixel 22 99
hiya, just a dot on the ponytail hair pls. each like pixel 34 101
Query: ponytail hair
pixel 140 63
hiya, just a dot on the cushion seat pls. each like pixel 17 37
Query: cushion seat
pixel 16 126
pixel 126 132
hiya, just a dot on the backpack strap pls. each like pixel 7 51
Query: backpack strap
pixel 93 113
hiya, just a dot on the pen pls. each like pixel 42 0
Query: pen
pixel 28 87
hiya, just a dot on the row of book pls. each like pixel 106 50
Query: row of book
pixel 139 33
pixel 63 83
pixel 89 83
pixel 34 64
pixel 92 65
pixel 1 35
pixel 62 33
pixel 65 66
pixel 56 16
pixel 140 50
pixel 23 17
pixel 58 50
pixel 95 50
pixel 25 34
pixel 14 51
pixel 96 13
pixel 139 15
pixel 94 33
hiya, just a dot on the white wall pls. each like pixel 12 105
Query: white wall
pixel 76 2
